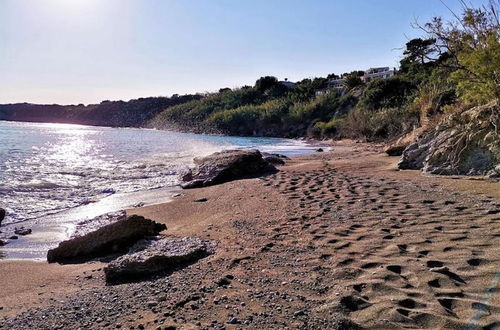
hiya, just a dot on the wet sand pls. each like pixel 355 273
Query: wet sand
pixel 332 240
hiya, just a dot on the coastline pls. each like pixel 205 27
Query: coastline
pixel 52 199
pixel 300 256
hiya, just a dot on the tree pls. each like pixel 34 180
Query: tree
pixel 332 76
pixel 472 42
pixel 352 80
pixel 265 83
pixel 420 50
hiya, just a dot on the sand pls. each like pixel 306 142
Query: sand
pixel 333 239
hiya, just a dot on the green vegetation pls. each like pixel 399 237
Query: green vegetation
pixel 268 109
pixel 454 65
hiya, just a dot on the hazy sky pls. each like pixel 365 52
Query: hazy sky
pixel 86 51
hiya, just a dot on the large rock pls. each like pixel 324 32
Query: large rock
pixel 112 238
pixel 466 142
pixel 150 257
pixel 225 166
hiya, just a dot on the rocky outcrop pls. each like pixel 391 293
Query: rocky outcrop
pixel 226 166
pixel 466 142
pixel 150 257
pixel 112 238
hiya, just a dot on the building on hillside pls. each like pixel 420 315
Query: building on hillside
pixel 332 84
pixel 378 73
pixel 287 83
pixel 369 75
pixel 337 84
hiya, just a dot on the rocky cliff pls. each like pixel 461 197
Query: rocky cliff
pixel 465 142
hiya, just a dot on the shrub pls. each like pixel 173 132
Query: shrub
pixel 387 93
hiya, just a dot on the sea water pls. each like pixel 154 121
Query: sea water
pixel 55 175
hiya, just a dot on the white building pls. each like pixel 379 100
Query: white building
pixel 332 84
pixel 377 73
pixel 369 75
pixel 337 84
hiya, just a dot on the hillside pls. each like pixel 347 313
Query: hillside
pixel 134 113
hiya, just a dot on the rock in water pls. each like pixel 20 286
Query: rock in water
pixel 226 166
pixel 2 215
pixel 149 257
pixel 112 238
pixel 466 142
pixel 22 231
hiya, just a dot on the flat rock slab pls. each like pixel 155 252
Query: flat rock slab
pixel 150 257
pixel 112 238
pixel 226 166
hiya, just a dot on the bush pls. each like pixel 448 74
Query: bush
pixel 380 124
pixel 387 93
pixel 328 129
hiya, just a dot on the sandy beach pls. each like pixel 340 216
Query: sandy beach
pixel 338 239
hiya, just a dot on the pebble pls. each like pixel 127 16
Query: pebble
pixel 152 303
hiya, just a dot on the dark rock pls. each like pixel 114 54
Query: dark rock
pixel 275 159
pixel 319 150
pixel 395 150
pixel 298 313
pixel 466 142
pixel 201 200
pixel 223 281
pixel 13 237
pixel 149 257
pixel 2 242
pixel 226 166
pixel 22 231
pixel 397 147
pixel 2 215
pixel 112 238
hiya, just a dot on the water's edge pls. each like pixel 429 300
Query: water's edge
pixel 38 159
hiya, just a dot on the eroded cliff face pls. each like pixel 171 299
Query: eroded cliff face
pixel 466 142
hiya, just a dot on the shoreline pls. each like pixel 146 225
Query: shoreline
pixel 363 257
pixel 57 225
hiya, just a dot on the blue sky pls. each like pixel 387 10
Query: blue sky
pixel 86 51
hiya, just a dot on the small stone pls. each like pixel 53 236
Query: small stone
pixel 201 200
pixel 152 303
pixel 223 281
pixel 298 313
pixel 233 320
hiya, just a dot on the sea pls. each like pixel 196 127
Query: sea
pixel 55 176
